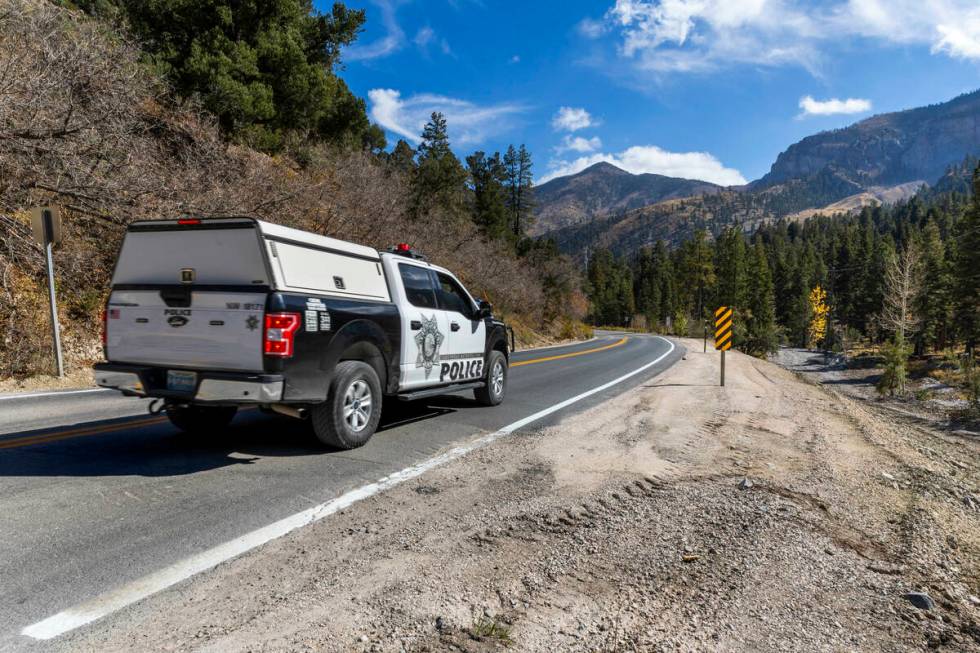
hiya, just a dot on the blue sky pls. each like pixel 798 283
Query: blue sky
pixel 707 89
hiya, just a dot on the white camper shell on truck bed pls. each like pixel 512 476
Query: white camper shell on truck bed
pixel 209 315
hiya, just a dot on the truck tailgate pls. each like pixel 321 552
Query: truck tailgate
pixel 218 330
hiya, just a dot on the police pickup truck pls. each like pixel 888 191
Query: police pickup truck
pixel 212 315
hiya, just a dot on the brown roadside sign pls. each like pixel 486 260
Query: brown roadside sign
pixel 724 320
pixel 46 225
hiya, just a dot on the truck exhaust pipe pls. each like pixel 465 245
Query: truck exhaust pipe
pixel 289 411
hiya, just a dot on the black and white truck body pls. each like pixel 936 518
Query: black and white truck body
pixel 211 315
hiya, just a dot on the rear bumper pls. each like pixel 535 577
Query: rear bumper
pixel 213 387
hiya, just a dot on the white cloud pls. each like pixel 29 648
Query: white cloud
pixel 652 159
pixel 572 119
pixel 424 36
pixel 833 106
pixel 591 29
pixel 960 41
pixel 515 59
pixel 662 36
pixel 387 44
pixel 468 123
pixel 579 144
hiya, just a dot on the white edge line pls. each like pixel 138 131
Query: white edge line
pixel 141 588
pixel 53 393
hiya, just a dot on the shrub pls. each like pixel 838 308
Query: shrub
pixel 680 324
pixel 896 357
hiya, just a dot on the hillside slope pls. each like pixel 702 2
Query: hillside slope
pixel 602 189
pixel 84 124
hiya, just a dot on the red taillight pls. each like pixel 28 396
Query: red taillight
pixel 107 314
pixel 188 221
pixel 280 329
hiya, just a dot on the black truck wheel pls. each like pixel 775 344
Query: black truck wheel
pixel 196 419
pixel 496 380
pixel 350 415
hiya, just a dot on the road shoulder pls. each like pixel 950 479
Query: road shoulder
pixel 678 514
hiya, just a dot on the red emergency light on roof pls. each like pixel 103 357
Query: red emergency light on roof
pixel 404 249
pixel 188 221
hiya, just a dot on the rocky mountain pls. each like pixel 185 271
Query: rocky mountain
pixel 884 159
pixel 604 189
pixel 888 149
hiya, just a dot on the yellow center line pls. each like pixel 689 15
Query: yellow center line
pixel 76 433
pixel 574 353
pixel 87 431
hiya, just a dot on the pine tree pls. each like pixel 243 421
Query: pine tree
pixel 797 309
pixel 524 210
pixel 968 271
pixel 512 181
pixel 487 177
pixel 610 289
pixel 402 157
pixel 697 275
pixel 933 303
pixel 731 287
pixel 520 189
pixel 264 68
pixel 646 286
pixel 440 181
pixel 762 334
pixel 668 289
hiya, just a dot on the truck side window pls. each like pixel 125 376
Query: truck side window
pixel 452 297
pixel 418 286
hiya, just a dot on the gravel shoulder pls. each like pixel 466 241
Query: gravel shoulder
pixel 773 514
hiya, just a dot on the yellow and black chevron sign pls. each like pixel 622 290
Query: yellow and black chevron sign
pixel 724 318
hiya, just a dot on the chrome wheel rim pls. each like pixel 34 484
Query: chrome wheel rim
pixel 497 379
pixel 357 405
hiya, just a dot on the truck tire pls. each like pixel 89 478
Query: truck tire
pixel 202 420
pixel 496 380
pixel 350 415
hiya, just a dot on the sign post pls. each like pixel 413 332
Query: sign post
pixel 724 320
pixel 46 224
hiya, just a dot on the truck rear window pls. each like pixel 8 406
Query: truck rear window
pixel 200 256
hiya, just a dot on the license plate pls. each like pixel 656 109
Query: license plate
pixel 178 381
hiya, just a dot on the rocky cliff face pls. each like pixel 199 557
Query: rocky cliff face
pixel 889 149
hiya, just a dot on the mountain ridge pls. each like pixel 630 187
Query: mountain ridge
pixel 888 148
pixel 878 159
pixel 604 188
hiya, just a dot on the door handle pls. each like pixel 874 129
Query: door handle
pixel 416 325
pixel 454 326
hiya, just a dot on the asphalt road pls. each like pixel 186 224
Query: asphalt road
pixel 95 493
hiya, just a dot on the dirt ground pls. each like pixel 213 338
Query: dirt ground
pixel 73 380
pixel 771 515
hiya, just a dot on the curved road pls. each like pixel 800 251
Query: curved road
pixel 96 495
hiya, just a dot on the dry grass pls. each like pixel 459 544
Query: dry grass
pixel 83 124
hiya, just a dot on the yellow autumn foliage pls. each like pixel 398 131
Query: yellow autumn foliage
pixel 819 311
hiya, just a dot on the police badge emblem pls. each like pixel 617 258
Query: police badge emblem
pixel 428 340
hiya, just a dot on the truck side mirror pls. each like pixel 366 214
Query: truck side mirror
pixel 486 310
